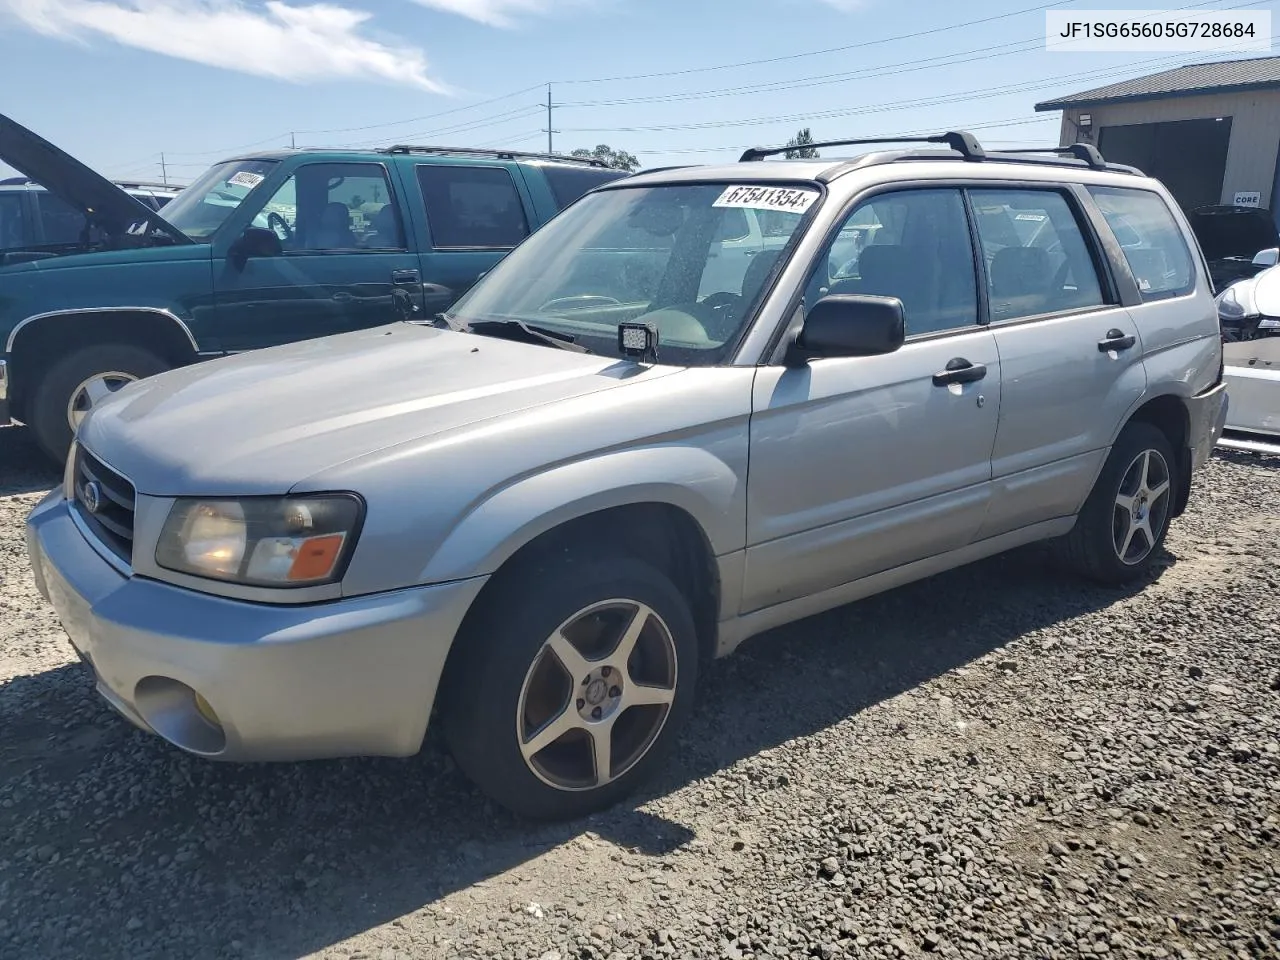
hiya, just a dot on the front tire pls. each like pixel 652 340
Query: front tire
pixel 70 388
pixel 571 684
pixel 1126 517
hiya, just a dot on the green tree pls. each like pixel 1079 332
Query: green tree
pixel 618 159
pixel 800 149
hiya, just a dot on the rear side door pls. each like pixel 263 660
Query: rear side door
pixel 1070 356
pixel 345 259
pixel 468 217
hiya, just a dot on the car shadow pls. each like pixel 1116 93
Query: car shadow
pixel 289 859
pixel 23 468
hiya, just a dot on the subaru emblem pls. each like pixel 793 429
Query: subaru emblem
pixel 91 494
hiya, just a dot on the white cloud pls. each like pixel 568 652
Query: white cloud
pixel 310 42
pixel 495 13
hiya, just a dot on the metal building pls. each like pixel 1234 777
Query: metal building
pixel 1210 131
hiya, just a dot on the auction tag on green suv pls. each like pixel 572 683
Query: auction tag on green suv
pixel 789 199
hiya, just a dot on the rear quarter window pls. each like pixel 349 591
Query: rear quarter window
pixel 1154 247
pixel 568 183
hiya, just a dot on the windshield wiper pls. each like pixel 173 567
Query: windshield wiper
pixel 509 328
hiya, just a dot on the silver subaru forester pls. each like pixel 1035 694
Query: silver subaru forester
pixel 698 404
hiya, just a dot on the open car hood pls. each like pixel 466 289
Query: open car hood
pixel 109 207
pixel 1229 231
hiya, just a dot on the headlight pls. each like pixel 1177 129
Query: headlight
pixel 262 541
pixel 1236 302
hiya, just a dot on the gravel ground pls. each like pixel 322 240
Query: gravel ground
pixel 998 762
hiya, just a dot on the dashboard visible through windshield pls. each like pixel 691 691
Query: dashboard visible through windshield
pixel 689 259
pixel 200 209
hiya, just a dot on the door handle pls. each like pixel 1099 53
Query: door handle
pixel 343 297
pixel 405 276
pixel 959 370
pixel 1116 340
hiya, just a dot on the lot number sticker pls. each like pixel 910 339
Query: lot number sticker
pixel 787 199
pixel 246 179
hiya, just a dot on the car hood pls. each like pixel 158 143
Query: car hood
pixel 262 422
pixel 92 194
pixel 1230 231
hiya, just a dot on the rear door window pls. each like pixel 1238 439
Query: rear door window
pixel 472 208
pixel 1038 261
pixel 1153 246
pixel 568 183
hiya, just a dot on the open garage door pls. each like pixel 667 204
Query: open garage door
pixel 1188 156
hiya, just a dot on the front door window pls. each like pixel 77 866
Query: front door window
pixel 334 206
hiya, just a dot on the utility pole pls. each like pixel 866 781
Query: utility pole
pixel 164 171
pixel 549 131
pixel 293 145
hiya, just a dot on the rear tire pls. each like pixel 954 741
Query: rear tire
pixel 1126 517
pixel 70 387
pixel 543 695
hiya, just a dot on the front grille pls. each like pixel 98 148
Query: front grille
pixel 105 501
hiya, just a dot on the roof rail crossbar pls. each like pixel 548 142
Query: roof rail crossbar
pixel 961 141
pixel 1081 151
pixel 496 153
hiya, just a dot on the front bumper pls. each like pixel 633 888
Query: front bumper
pixel 352 677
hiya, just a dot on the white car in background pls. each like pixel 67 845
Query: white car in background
pixel 1249 312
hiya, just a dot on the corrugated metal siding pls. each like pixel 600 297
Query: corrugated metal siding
pixel 1255 131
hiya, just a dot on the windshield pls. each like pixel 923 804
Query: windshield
pixel 200 209
pixel 690 259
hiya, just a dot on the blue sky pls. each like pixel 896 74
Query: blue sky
pixel 117 82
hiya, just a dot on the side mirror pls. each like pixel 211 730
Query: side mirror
pixel 851 325
pixel 1267 258
pixel 254 242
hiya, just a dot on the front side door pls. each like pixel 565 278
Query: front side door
pixel 472 216
pixel 1069 353
pixel 862 464
pixel 344 261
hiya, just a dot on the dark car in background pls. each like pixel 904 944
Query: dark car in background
pixel 1231 236
pixel 261 249
pixel 33 219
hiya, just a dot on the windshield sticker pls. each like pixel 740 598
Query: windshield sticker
pixel 246 179
pixel 788 199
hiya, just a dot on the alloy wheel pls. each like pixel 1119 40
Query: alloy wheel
pixel 597 695
pixel 1141 507
pixel 92 392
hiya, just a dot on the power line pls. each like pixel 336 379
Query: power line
pixel 907 66
pixel 935 62
pixel 817 53
pixel 668 73
pixel 981 93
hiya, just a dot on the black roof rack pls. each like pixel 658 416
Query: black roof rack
pixel 497 154
pixel 1081 151
pixel 961 141
pixel 158 184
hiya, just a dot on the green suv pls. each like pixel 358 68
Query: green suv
pixel 261 249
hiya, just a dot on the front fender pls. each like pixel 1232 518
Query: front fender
pixel 691 479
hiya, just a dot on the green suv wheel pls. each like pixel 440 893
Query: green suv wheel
pixel 72 386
